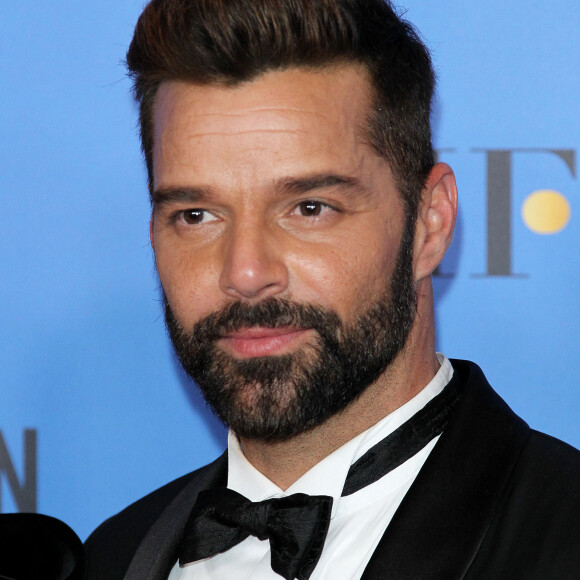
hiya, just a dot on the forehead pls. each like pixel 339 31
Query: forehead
pixel 314 111
pixel 345 87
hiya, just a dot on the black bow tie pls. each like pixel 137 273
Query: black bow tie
pixel 296 525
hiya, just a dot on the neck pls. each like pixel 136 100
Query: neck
pixel 284 462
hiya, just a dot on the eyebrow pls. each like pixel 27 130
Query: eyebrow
pixel 179 195
pixel 284 186
pixel 314 182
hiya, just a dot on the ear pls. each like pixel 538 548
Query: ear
pixel 435 220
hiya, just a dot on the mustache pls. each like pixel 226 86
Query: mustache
pixel 270 313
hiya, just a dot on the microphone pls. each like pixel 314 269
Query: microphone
pixel 39 547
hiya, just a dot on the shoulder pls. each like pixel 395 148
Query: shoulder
pixel 533 526
pixel 544 472
pixel 553 466
pixel 535 532
pixel 110 548
pixel 139 515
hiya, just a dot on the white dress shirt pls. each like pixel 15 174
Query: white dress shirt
pixel 358 521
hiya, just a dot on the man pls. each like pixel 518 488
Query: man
pixel 297 216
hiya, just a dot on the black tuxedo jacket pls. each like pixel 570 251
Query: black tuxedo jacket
pixel 494 500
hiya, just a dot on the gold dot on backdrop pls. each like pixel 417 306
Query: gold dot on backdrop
pixel 546 211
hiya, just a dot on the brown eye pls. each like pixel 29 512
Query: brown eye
pixel 197 216
pixel 193 216
pixel 310 208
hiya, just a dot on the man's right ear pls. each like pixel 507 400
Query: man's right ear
pixel 151 236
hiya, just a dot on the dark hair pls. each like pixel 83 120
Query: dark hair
pixel 232 41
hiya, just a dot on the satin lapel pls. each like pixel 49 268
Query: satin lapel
pixel 157 553
pixel 439 526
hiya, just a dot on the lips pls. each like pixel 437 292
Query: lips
pixel 261 341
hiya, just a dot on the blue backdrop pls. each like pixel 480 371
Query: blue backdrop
pixel 94 410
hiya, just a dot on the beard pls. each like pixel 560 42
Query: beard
pixel 274 398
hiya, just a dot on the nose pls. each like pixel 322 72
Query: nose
pixel 253 266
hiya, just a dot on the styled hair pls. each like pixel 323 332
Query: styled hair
pixel 228 42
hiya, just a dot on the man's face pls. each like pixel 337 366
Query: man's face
pixel 277 235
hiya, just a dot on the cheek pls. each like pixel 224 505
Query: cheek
pixel 346 275
pixel 188 283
